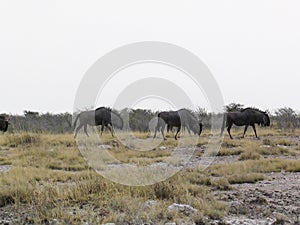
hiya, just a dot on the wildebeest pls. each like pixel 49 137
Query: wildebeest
pixel 180 118
pixel 100 116
pixel 246 117
pixel 4 122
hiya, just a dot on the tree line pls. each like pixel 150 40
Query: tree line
pixel 283 118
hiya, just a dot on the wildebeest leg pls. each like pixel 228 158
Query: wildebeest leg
pixel 228 130
pixel 223 124
pixel 253 126
pixel 168 128
pixel 111 129
pixel 77 129
pixel 188 129
pixel 177 133
pixel 85 130
pixel 246 126
pixel 162 131
pixel 156 129
pixel 102 128
pixel 158 126
pixel 154 133
pixel 222 130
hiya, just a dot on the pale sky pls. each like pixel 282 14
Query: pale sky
pixel 251 47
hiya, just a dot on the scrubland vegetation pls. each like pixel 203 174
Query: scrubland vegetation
pixel 47 178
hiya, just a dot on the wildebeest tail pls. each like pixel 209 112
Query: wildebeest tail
pixel 200 127
pixel 223 124
pixel 158 121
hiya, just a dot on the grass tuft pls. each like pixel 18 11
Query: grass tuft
pixel 21 139
pixel 249 155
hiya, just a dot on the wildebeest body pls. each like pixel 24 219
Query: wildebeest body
pixel 246 117
pixel 101 116
pixel 180 118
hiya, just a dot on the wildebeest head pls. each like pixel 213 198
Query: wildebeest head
pixel 197 128
pixel 4 122
pixel 265 120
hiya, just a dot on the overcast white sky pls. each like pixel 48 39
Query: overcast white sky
pixel 251 47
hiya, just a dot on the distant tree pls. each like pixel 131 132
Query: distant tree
pixel 203 116
pixel 201 112
pixel 232 107
pixel 37 122
pixel 286 118
pixel 124 113
pixel 139 119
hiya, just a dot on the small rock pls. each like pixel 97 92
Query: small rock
pixel 150 203
pixel 105 147
pixel 4 168
pixel 54 222
pixel 282 146
pixel 162 148
pixel 186 209
pixel 265 146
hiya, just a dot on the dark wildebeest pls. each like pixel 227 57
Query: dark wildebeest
pixel 100 116
pixel 180 118
pixel 246 117
pixel 3 123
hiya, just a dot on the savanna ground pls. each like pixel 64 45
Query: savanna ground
pixel 45 180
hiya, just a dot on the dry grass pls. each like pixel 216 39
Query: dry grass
pixel 48 175
pixel 230 151
pixel 271 142
pixel 256 166
pixel 249 156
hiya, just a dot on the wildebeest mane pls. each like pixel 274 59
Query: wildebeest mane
pixel 254 109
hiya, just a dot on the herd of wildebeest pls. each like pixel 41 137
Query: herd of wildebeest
pixel 181 119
